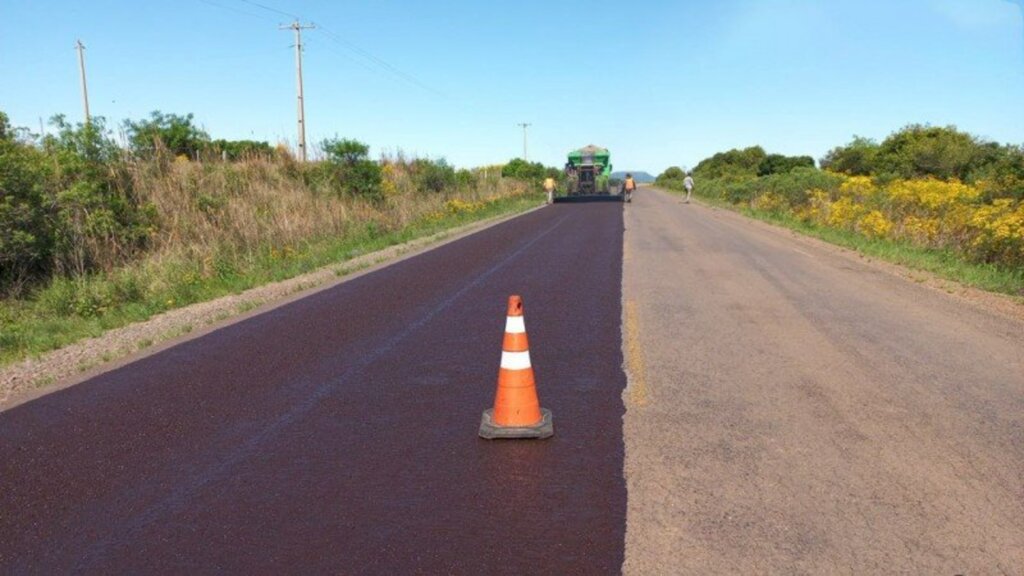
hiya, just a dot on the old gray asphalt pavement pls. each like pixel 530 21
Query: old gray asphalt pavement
pixel 794 410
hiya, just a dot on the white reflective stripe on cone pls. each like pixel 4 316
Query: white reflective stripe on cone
pixel 515 325
pixel 515 360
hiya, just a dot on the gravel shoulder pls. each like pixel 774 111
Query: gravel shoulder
pixel 795 408
pixel 34 377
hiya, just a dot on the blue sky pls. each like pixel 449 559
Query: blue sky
pixel 660 83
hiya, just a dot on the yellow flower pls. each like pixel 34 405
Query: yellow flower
pixel 844 213
pixel 930 194
pixel 874 225
pixel 860 188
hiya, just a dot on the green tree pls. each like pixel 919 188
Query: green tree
pixel 1001 170
pixel 745 163
pixel 345 151
pixel 433 176
pixel 858 158
pixel 349 170
pixel 26 234
pixel 523 170
pixel 672 177
pixel 780 164
pixel 66 207
pixel 178 134
pixel 918 151
pixel 96 217
pixel 672 173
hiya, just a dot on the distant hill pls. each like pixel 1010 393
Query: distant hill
pixel 638 175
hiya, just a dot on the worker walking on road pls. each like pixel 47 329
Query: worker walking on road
pixel 628 186
pixel 549 187
pixel 688 184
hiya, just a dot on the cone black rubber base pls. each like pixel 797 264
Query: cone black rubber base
pixel 491 431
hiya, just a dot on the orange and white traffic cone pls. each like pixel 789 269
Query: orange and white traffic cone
pixel 517 412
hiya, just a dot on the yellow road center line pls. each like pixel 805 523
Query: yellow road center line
pixel 635 371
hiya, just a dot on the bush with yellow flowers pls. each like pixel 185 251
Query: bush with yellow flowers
pixel 999 232
pixel 925 212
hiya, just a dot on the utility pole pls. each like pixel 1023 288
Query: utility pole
pixel 81 68
pixel 525 125
pixel 298 28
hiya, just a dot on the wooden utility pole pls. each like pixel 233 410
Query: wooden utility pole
pixel 81 68
pixel 525 125
pixel 298 28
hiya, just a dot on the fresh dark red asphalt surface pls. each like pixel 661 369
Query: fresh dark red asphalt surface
pixel 338 433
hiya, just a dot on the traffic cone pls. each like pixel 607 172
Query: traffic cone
pixel 517 412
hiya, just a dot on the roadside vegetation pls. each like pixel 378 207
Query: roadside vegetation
pixel 95 235
pixel 933 198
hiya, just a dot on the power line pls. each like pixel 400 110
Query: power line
pixel 349 57
pixel 231 9
pixel 347 44
pixel 271 9
pixel 351 52
pixel 379 61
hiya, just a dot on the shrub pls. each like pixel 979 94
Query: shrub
pixel 794 186
pixel 96 217
pixel 523 170
pixel 1001 173
pixel 464 178
pixel 734 164
pixel 672 177
pixel 999 232
pixel 68 207
pixel 922 151
pixel 934 187
pixel 26 234
pixel 855 159
pixel 433 176
pixel 348 169
pixel 235 150
pixel 779 164
pixel 177 134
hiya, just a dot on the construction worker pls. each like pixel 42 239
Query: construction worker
pixel 628 186
pixel 549 187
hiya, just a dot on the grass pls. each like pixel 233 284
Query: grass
pixel 70 310
pixel 946 264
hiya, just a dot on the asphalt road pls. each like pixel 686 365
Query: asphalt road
pixel 790 409
pixel 338 433
pixel 794 410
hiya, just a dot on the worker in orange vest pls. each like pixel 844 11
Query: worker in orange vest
pixel 549 187
pixel 628 186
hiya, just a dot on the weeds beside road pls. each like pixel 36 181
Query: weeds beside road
pixel 93 237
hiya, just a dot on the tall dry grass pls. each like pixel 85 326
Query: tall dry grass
pixel 102 238
pixel 212 207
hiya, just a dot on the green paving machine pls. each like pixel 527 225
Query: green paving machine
pixel 588 171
